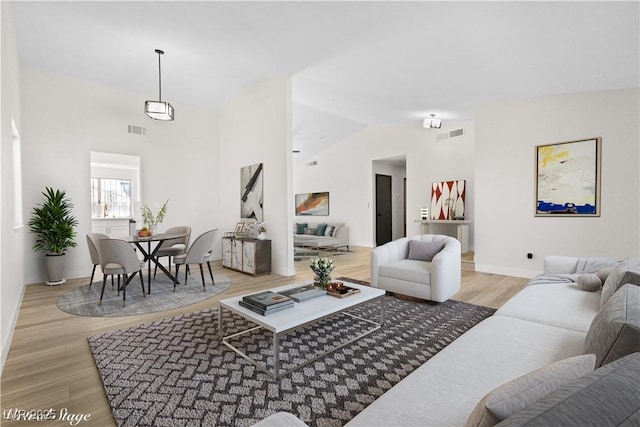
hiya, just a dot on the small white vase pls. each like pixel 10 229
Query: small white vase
pixel 262 236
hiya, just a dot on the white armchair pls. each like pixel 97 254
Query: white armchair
pixel 435 280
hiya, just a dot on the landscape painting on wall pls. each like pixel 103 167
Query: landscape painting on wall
pixel 568 178
pixel 312 204
pixel 251 192
pixel 448 200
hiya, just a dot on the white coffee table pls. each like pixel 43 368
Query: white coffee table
pixel 300 315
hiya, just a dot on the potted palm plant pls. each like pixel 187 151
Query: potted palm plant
pixel 54 227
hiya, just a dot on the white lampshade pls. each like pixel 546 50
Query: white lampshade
pixel 432 122
pixel 158 110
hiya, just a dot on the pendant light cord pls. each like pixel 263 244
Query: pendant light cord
pixel 159 78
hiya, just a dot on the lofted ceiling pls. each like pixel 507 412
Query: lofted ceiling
pixel 353 64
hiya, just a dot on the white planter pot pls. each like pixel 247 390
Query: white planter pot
pixel 55 269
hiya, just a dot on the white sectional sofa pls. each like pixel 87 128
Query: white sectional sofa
pixel 321 235
pixel 548 321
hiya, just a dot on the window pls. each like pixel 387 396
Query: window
pixel 111 198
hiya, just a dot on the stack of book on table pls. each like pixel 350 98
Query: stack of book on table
pixel 266 302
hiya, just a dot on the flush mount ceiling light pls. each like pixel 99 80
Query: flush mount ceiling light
pixel 432 122
pixel 159 110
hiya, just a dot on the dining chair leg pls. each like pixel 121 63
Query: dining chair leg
pixel 104 282
pixel 175 282
pixel 186 273
pixel 92 273
pixel 142 283
pixel 112 284
pixel 204 286
pixel 124 291
pixel 211 273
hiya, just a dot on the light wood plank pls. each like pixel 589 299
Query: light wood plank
pixel 50 365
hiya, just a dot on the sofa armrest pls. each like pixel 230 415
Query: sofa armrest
pixel 342 236
pixel 446 271
pixel 379 256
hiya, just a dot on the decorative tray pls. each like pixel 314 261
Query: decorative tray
pixel 339 290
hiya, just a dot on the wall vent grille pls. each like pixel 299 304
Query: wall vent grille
pixel 450 134
pixel 138 130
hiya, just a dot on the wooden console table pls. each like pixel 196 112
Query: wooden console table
pixel 462 230
pixel 252 256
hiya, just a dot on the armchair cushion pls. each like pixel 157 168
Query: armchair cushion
pixel 424 251
pixel 408 270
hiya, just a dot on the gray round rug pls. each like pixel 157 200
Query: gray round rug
pixel 84 301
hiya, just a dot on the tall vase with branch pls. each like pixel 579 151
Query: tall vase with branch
pixel 152 220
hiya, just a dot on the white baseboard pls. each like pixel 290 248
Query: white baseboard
pixel 6 345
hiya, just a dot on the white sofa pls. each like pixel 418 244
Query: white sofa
pixel 435 280
pixel 335 236
pixel 544 323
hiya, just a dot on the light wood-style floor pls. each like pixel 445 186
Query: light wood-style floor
pixel 50 365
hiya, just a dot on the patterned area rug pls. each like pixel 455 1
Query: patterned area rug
pixel 84 301
pixel 175 372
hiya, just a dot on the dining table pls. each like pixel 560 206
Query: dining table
pixel 150 252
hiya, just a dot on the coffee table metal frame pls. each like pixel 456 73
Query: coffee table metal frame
pixel 283 322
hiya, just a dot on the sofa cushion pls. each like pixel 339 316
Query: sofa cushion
pixel 562 305
pixel 300 227
pixel 444 390
pixel 615 331
pixel 626 271
pixel 320 229
pixel 519 393
pixel 408 270
pixel 424 251
pixel 589 282
pixel 607 396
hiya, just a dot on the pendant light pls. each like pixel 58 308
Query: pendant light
pixel 432 122
pixel 159 110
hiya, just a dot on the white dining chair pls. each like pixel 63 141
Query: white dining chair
pixel 199 253
pixel 92 244
pixel 118 257
pixel 173 247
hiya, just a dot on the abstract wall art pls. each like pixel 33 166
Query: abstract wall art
pixel 251 192
pixel 448 200
pixel 312 204
pixel 567 180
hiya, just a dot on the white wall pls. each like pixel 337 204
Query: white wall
pixel 255 127
pixel 346 171
pixel 11 238
pixel 506 135
pixel 66 118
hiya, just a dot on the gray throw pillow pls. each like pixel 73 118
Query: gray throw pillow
pixel 521 392
pixel 300 227
pixel 626 271
pixel 321 229
pixel 589 282
pixel 607 396
pixel 615 331
pixel 424 251
pixel 328 232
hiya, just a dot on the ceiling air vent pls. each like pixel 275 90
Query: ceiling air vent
pixel 450 134
pixel 315 162
pixel 138 130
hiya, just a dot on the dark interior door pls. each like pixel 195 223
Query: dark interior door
pixel 383 209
